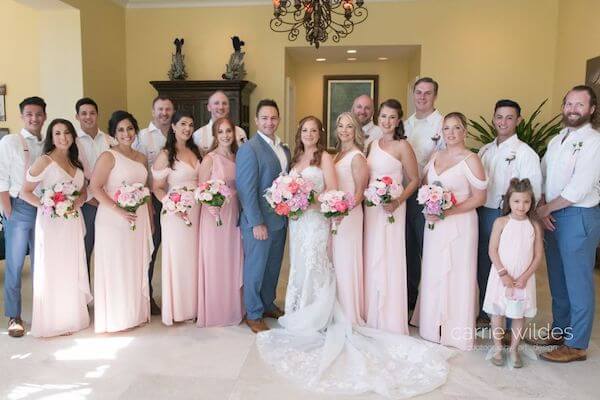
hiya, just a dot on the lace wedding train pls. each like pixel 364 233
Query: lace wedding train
pixel 320 350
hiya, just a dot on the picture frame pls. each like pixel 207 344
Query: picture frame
pixel 592 74
pixel 2 103
pixel 339 92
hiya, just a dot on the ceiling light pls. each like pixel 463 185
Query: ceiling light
pixel 351 58
pixel 320 59
pixel 351 51
pixel 382 58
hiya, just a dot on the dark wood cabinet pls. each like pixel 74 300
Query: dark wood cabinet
pixel 193 96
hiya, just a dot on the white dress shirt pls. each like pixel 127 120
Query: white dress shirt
pixel 510 159
pixel 372 132
pixel 571 168
pixel 91 148
pixel 277 147
pixel 12 160
pixel 425 136
pixel 203 137
pixel 150 142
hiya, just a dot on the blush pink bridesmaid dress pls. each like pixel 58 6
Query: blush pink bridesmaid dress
pixel 386 305
pixel 61 289
pixel 179 249
pixel 220 256
pixel 447 302
pixel 347 247
pixel 122 257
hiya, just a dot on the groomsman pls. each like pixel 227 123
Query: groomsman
pixel 363 110
pixel 570 213
pixel 258 162
pixel 150 142
pixel 17 153
pixel 505 158
pixel 218 107
pixel 423 132
pixel 91 142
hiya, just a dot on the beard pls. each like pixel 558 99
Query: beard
pixel 575 123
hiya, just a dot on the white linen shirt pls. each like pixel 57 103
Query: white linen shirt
pixel 510 159
pixel 572 169
pixel 150 142
pixel 12 160
pixel 425 136
pixel 203 137
pixel 372 132
pixel 91 148
pixel 277 148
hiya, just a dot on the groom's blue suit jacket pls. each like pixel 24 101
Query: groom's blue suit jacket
pixel 257 166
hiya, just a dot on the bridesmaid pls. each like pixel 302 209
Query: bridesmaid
pixel 352 176
pixel 448 295
pixel 122 255
pixel 221 257
pixel 385 254
pixel 178 166
pixel 61 289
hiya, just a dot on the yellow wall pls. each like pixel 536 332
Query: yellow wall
pixel 19 59
pixel 103 54
pixel 479 51
pixel 308 78
pixel 578 41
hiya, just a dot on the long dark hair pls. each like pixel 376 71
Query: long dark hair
pixel 299 148
pixel 395 105
pixel 171 140
pixel 215 131
pixel 517 185
pixel 73 150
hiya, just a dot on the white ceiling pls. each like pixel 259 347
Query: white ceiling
pixel 337 54
pixel 213 3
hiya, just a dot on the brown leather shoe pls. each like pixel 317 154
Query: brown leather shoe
pixel 548 340
pixel 564 354
pixel 257 325
pixel 274 313
pixel 16 327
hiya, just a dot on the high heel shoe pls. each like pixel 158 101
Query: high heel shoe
pixel 515 359
pixel 498 358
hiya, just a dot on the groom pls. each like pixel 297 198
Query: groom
pixel 258 162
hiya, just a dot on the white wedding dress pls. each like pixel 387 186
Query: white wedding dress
pixel 319 349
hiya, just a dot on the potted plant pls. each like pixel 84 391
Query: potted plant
pixel 530 131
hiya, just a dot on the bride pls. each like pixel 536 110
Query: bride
pixel 317 347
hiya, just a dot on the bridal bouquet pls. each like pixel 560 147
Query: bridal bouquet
pixel 290 195
pixel 179 201
pixel 435 200
pixel 131 197
pixel 59 200
pixel 215 193
pixel 382 191
pixel 335 203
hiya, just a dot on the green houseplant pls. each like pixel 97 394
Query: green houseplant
pixel 530 131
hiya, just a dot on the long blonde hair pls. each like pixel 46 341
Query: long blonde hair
pixel 359 136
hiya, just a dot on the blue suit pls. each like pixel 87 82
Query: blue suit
pixel 257 166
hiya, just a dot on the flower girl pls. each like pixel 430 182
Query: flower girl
pixel 516 248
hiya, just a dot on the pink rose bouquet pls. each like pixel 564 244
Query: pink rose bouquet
pixel 435 200
pixel 179 201
pixel 130 197
pixel 382 191
pixel 215 193
pixel 335 203
pixel 59 200
pixel 290 195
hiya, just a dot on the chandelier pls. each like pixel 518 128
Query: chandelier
pixel 320 18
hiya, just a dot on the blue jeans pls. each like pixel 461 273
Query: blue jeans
pixel 89 218
pixel 415 226
pixel 487 217
pixel 19 237
pixel 571 255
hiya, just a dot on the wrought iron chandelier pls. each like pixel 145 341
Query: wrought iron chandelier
pixel 320 18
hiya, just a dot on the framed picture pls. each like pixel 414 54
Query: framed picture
pixel 592 74
pixel 2 103
pixel 339 91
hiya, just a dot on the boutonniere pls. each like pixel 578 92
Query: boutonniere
pixel 511 157
pixel 577 146
pixel 436 138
